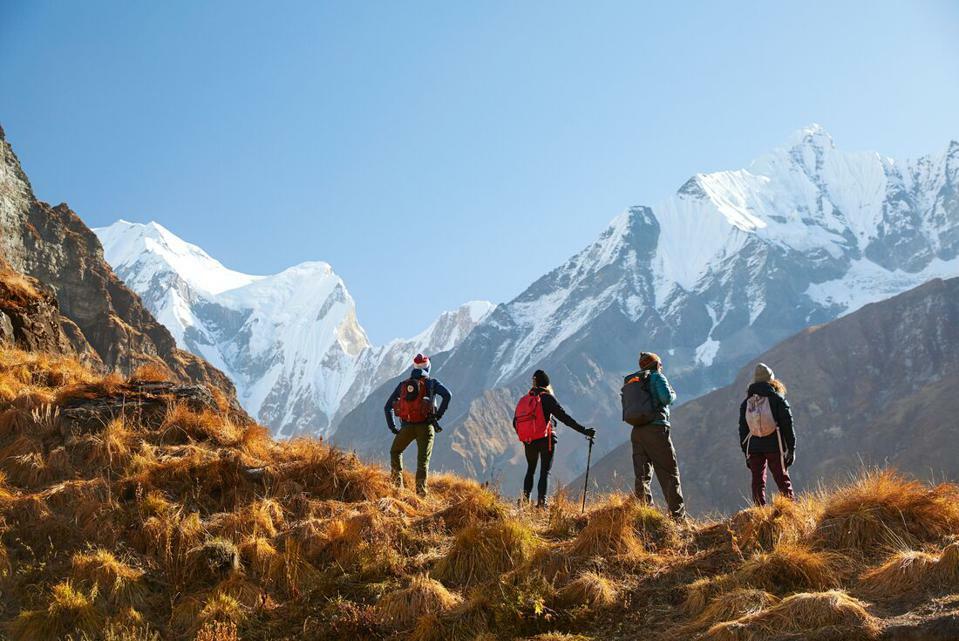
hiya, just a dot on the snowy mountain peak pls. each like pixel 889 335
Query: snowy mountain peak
pixel 813 135
pixel 149 249
pixel 291 342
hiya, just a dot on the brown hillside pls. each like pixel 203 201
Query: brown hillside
pixel 54 246
pixel 134 510
pixel 872 388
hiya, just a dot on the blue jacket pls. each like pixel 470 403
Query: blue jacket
pixel 662 393
pixel 433 387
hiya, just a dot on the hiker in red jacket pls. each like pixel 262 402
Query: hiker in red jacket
pixel 766 433
pixel 534 423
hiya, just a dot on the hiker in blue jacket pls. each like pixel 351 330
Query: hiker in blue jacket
pixel 652 447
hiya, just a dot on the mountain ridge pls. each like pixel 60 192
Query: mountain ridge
pixel 730 265
pixel 291 341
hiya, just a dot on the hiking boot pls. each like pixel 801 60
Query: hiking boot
pixel 541 503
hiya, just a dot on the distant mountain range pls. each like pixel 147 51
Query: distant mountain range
pixel 730 265
pixel 876 387
pixel 291 342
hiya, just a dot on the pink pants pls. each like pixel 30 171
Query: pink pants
pixel 757 465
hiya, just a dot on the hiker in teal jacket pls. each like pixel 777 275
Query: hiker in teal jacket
pixel 652 447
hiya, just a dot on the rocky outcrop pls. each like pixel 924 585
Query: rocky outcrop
pixel 54 246
pixel 875 387
pixel 30 319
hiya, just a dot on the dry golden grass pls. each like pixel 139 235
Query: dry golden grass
pixel 470 505
pixel 69 611
pixel 883 511
pixel 423 596
pixel 783 521
pixel 589 589
pixel 187 525
pixel 911 572
pixel 801 613
pixel 482 552
pixel 152 373
pixel 113 579
pixel 623 527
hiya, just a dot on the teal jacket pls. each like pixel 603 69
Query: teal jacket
pixel 662 392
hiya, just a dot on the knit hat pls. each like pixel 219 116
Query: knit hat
pixel 540 378
pixel 763 374
pixel 421 361
pixel 649 360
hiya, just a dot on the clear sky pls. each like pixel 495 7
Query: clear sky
pixel 475 145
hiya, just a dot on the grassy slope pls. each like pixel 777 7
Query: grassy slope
pixel 182 524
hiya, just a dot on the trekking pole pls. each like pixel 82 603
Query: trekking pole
pixel 589 457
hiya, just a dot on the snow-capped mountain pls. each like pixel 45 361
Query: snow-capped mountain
pixel 732 263
pixel 291 342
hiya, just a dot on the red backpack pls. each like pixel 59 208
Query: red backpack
pixel 531 423
pixel 414 404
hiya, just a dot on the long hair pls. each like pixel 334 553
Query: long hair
pixel 779 386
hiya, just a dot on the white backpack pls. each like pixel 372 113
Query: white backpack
pixel 759 416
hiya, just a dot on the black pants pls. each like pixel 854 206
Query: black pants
pixel 542 451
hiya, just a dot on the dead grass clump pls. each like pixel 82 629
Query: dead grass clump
pixel 763 528
pixel 151 373
pixel 483 552
pixel 801 613
pixel 167 537
pixel 110 448
pixel 476 504
pixel 327 473
pixel 69 611
pixel 911 572
pixel 733 605
pixel 88 390
pixel 261 517
pixel 184 425
pixel 564 520
pixel 793 567
pixel 883 511
pixel 589 589
pixel 465 622
pixel 423 595
pixel 611 531
pixel 260 557
pixel 114 580
pixel 214 560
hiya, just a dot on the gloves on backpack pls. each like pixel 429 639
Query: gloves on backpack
pixel 790 458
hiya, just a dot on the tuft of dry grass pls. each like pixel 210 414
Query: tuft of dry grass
pixel 783 521
pixel 474 504
pixel 590 590
pixel 116 581
pixel 911 571
pixel 156 372
pixel 69 611
pixel 793 567
pixel 623 527
pixel 482 552
pixel 801 613
pixel 884 511
pixel 731 605
pixel 423 596
pixel 183 424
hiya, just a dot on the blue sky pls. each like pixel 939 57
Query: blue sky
pixel 482 142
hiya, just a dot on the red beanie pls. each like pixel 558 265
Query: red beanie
pixel 421 361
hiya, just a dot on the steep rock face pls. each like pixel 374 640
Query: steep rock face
pixel 731 264
pixel 290 341
pixel 30 320
pixel 871 388
pixel 53 245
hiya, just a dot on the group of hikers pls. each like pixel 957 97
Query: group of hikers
pixel 766 434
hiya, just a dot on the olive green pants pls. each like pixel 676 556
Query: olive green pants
pixel 653 450
pixel 422 433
